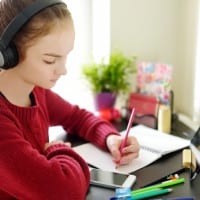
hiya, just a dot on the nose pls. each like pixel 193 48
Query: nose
pixel 61 69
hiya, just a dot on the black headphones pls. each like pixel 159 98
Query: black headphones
pixel 8 52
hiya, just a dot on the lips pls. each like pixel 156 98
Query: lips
pixel 54 80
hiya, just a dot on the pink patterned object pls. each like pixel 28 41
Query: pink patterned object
pixel 155 79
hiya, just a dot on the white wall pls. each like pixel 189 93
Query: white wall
pixel 160 31
pixel 184 72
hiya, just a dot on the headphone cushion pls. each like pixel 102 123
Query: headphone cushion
pixel 10 56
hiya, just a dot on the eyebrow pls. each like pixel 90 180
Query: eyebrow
pixel 53 55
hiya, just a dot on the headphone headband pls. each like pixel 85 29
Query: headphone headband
pixel 16 24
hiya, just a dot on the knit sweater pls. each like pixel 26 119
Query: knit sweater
pixel 27 172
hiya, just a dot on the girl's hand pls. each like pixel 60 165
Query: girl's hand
pixel 129 152
pixel 48 144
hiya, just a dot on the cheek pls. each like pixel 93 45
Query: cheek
pixel 38 67
pixel 35 69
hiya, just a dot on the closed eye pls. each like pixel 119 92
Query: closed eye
pixel 49 62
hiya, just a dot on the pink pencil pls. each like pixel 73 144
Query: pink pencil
pixel 128 129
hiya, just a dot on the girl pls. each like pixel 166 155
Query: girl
pixel 31 168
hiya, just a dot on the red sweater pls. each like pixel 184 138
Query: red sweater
pixel 27 172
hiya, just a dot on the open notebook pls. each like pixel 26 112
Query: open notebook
pixel 154 145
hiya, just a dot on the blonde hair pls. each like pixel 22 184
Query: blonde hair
pixel 39 25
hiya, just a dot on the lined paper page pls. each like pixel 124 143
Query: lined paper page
pixel 156 140
pixel 153 144
pixel 103 160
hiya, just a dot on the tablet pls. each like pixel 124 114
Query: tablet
pixel 195 145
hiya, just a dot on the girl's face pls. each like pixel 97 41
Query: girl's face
pixel 45 60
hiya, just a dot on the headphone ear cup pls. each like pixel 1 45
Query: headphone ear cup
pixel 10 56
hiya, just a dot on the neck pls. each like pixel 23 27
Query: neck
pixel 15 89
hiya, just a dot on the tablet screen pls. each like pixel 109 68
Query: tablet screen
pixel 195 145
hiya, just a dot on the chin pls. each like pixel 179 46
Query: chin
pixel 47 86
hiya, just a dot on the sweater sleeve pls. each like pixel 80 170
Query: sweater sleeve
pixel 26 173
pixel 78 121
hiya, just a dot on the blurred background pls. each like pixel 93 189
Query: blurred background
pixel 164 31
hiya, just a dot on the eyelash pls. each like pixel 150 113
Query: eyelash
pixel 49 62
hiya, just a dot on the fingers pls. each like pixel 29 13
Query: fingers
pixel 133 148
pixel 113 144
pixel 127 158
pixel 128 153
pixel 116 156
pixel 114 151
pixel 68 144
pixel 48 144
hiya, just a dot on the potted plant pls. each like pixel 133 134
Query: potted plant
pixel 109 79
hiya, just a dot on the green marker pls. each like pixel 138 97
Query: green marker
pixel 160 185
pixel 150 193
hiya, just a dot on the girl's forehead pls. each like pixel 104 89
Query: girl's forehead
pixel 59 40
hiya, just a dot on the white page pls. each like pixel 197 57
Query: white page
pixel 161 142
pixel 103 160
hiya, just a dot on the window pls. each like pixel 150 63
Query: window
pixel 92 41
pixel 70 86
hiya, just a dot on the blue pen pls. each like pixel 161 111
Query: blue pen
pixel 122 198
pixel 178 198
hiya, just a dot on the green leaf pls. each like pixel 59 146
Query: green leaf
pixel 113 76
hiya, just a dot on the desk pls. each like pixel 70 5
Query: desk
pixel 161 168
